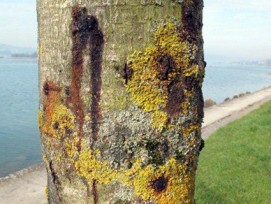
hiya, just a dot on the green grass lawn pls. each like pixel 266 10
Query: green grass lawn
pixel 235 165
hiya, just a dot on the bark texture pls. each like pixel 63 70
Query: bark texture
pixel 120 99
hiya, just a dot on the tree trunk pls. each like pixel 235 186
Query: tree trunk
pixel 120 99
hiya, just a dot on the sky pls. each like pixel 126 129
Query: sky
pixel 18 23
pixel 233 29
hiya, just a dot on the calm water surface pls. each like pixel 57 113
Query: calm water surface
pixel 226 81
pixel 19 136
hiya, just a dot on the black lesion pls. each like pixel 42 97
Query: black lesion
pixel 127 73
pixel 56 125
pixel 46 88
pixel 53 173
pixel 160 184
pixel 67 91
pixel 165 66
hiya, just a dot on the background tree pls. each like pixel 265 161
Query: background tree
pixel 120 99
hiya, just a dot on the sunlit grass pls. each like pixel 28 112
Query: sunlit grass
pixel 235 165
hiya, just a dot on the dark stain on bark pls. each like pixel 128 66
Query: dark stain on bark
pixel 191 82
pixel 54 189
pixel 53 173
pixel 176 96
pixel 160 184
pixel 199 102
pixel 46 89
pixel 67 91
pixel 191 20
pixel 79 39
pixel 165 66
pixel 96 57
pixel 85 29
pixel 127 73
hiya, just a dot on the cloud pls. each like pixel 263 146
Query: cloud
pixel 237 28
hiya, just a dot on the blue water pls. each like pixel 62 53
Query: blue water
pixel 19 136
pixel 226 81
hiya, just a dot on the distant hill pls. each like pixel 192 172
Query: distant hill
pixel 255 63
pixel 8 50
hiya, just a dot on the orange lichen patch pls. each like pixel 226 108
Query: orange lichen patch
pixel 56 119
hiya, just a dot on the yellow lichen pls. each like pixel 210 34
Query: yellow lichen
pixel 159 119
pixel 192 71
pixel 178 183
pixel 146 86
pixel 185 106
pixel 70 147
pixel 40 119
pixel 61 120
pixel 45 160
pixel 89 167
pixel 47 192
pixel 176 188
pixel 87 117
pixel 186 131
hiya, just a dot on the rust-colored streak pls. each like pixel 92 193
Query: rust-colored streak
pixel 79 38
pixel 85 29
pixel 94 192
pixel 52 94
pixel 96 57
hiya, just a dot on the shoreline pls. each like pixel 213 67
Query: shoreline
pixel 22 172
pixel 27 186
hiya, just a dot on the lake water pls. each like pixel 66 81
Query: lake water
pixel 226 81
pixel 19 136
